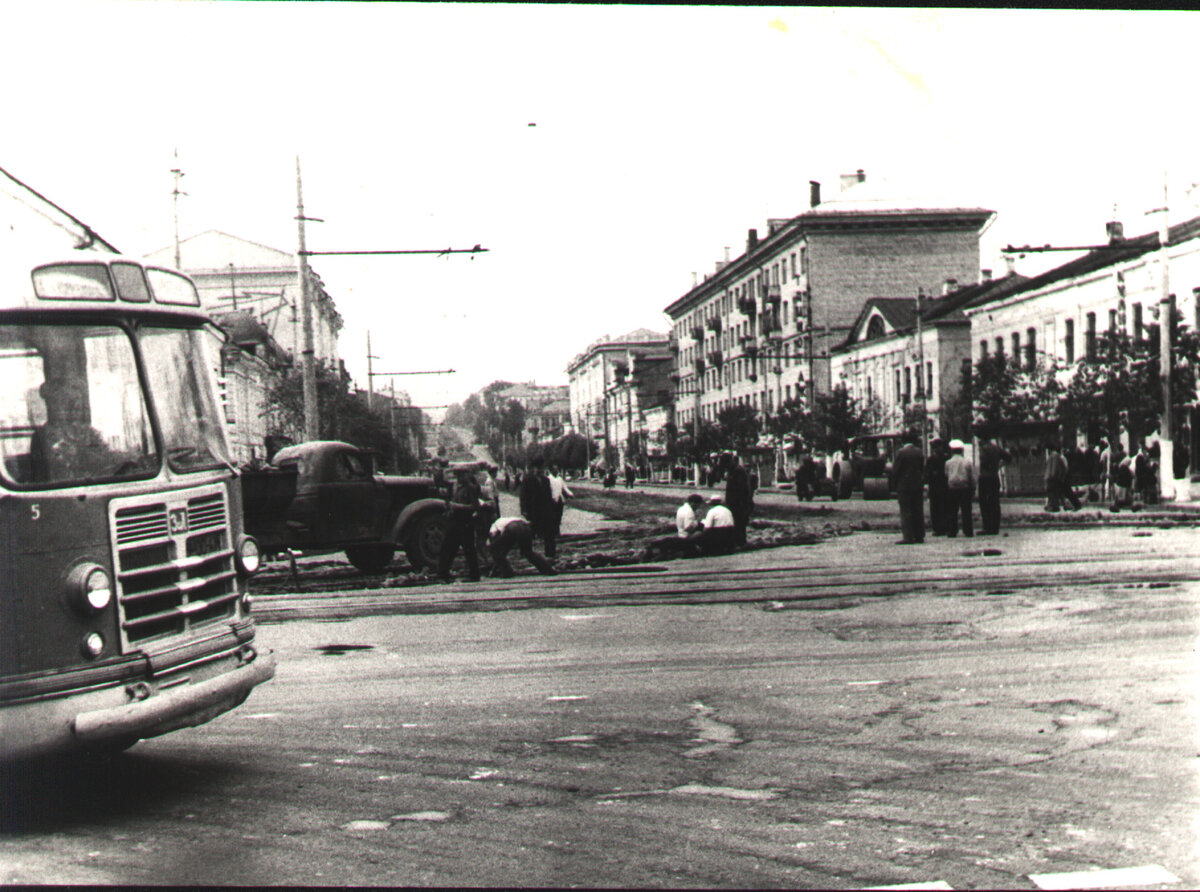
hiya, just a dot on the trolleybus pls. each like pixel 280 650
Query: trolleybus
pixel 124 612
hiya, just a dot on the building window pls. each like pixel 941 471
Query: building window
pixel 1112 321
pixel 929 380
pixel 1069 340
pixel 1031 349
pixel 983 350
pixel 899 392
pixel 1090 343
pixel 1138 333
pixel 1016 346
pixel 999 347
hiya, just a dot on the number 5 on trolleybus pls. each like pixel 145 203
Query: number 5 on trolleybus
pixel 123 567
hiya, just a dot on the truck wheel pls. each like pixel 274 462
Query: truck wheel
pixel 370 558
pixel 424 542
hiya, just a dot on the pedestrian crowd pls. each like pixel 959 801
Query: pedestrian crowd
pixel 718 525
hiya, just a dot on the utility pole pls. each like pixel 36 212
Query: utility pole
pixel 308 368
pixel 921 382
pixel 1166 450
pixel 370 377
pixel 178 174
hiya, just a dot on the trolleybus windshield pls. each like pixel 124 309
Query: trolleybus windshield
pixel 73 408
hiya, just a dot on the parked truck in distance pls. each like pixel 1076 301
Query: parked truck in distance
pixel 324 496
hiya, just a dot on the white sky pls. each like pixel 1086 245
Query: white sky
pixel 662 135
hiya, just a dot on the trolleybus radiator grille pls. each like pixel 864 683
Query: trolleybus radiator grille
pixel 174 563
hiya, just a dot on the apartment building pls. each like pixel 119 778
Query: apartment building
pixel 614 383
pixel 760 329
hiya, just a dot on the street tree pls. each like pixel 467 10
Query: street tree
pixel 344 416
pixel 835 419
pixel 739 427
pixel 1119 385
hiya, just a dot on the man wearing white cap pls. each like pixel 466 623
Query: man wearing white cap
pixel 960 479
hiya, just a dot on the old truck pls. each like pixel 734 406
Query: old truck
pixel 324 496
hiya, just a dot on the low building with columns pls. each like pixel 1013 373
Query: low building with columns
pixel 1057 316
pixel 905 370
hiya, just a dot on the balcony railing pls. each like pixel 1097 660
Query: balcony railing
pixel 714 324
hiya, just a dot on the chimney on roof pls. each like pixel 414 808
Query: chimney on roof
pixel 751 240
pixel 853 179
pixel 1010 265
pixel 985 275
pixel 814 193
pixel 695 280
pixel 1115 230
pixel 948 286
pixel 726 253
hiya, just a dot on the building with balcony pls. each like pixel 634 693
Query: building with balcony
pixel 760 329
pixel 612 385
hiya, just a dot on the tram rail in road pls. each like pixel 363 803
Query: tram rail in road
pixel 864 565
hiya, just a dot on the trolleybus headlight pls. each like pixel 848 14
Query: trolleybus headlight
pixel 91 587
pixel 93 644
pixel 249 557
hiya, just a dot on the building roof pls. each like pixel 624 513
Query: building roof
pixel 900 313
pixel 863 205
pixel 643 337
pixel 1097 259
pixel 555 407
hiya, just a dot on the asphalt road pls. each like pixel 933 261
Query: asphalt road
pixel 987 713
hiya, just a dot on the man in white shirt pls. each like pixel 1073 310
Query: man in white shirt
pixel 559 493
pixel 720 533
pixel 504 534
pixel 686 526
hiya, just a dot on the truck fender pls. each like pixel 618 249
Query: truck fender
pixel 410 511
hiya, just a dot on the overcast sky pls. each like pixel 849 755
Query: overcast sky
pixel 662 134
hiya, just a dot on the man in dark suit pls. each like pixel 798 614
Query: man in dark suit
pixel 739 497
pixel 536 500
pixel 908 476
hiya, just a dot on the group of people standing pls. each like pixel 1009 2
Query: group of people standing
pixel 474 522
pixel 952 481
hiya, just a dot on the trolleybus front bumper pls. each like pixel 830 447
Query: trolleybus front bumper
pixel 126 713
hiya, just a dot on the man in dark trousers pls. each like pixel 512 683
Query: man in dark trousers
pixel 939 495
pixel 739 498
pixel 908 476
pixel 960 482
pixel 991 457
pixel 464 502
pixel 504 534
pixel 535 498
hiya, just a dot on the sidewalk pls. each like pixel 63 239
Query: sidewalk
pixel 1027 508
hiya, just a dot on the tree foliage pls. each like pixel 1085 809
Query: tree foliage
pixel 1120 385
pixel 344 416
pixel 835 419
pixel 738 427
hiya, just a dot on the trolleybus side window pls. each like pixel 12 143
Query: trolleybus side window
pixel 72 407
